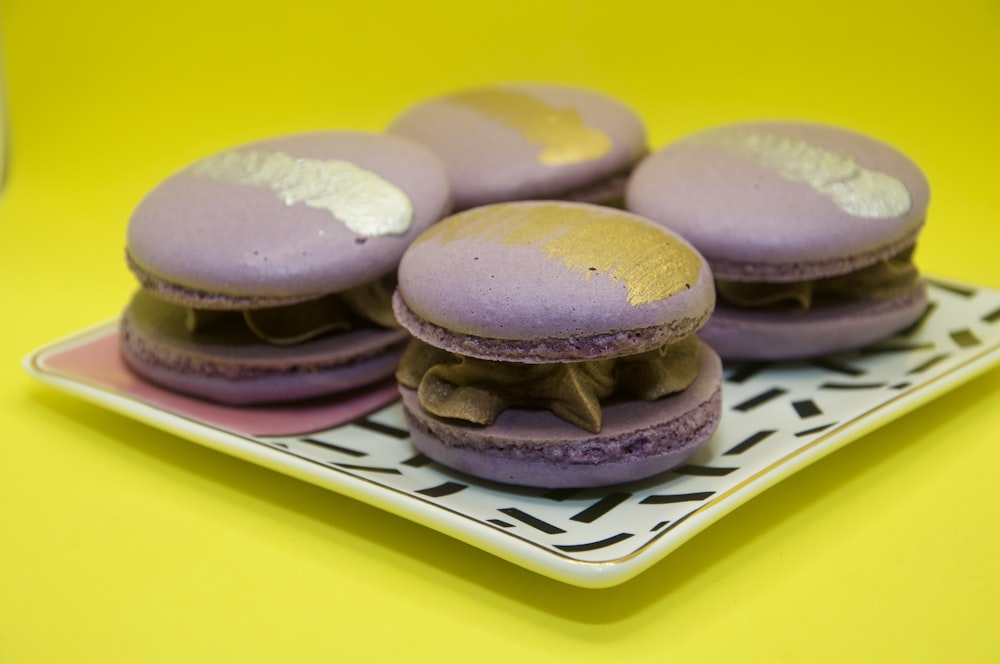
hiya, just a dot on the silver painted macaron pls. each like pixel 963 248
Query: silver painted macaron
pixel 266 270
pixel 809 230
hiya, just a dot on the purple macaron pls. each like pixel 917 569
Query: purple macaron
pixel 809 230
pixel 267 270
pixel 554 345
pixel 529 141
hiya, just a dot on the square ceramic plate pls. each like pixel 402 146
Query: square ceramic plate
pixel 777 419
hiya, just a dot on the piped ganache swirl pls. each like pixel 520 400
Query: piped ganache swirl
pixel 476 391
pixel 886 279
pixel 284 325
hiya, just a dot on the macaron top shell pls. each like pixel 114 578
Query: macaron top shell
pixel 541 271
pixel 288 218
pixel 783 200
pixel 525 141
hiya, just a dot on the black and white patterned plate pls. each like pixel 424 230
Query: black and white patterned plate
pixel 777 418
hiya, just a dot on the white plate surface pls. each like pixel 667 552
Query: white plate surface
pixel 777 419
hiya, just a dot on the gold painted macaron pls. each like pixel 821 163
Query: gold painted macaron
pixel 529 141
pixel 555 344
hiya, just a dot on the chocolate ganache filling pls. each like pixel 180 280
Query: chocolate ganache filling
pixel 884 280
pixel 290 324
pixel 476 391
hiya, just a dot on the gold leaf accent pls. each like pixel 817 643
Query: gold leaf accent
pixel 561 132
pixel 653 264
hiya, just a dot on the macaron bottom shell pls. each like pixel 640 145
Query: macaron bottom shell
pixel 535 448
pixel 269 389
pixel 241 370
pixel 747 334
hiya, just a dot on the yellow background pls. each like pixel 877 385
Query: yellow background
pixel 119 543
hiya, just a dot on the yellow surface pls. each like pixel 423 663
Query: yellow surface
pixel 119 543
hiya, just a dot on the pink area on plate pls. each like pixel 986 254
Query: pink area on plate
pixel 95 360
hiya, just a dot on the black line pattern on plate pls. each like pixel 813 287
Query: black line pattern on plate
pixel 806 408
pixel 830 364
pixel 918 324
pixel 745 371
pixel 960 335
pixel 603 520
pixel 601 507
pixel 750 441
pixel 851 386
pixel 559 495
pixel 896 347
pixel 441 490
pixel 367 469
pixel 921 368
pixel 386 429
pixel 954 289
pixel 529 520
pixel 703 471
pixel 669 498
pixel 809 432
pixel 417 461
pixel 591 546
pixel 965 338
pixel 349 451
pixel 759 400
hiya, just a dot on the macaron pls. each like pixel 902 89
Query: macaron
pixel 554 345
pixel 267 270
pixel 529 141
pixel 809 230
